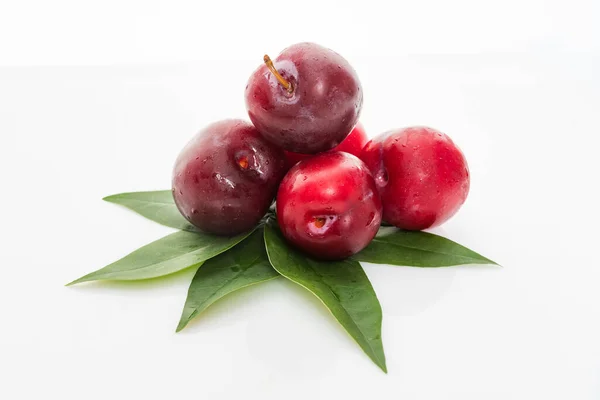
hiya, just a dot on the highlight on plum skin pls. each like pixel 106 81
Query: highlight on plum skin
pixel 422 176
pixel 226 177
pixel 307 100
pixel 328 206
pixel 353 144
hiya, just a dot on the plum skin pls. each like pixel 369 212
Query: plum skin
pixel 226 177
pixel 353 144
pixel 328 206
pixel 323 107
pixel 422 176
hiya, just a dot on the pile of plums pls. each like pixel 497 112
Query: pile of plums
pixel 306 149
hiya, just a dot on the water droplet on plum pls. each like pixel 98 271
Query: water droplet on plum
pixel 381 178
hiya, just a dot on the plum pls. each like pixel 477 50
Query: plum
pixel 328 206
pixel 353 144
pixel 307 100
pixel 423 177
pixel 226 177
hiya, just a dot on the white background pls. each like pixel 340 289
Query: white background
pixel 98 97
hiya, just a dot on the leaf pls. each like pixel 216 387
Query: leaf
pixel 177 251
pixel 342 286
pixel 157 206
pixel 243 265
pixel 417 249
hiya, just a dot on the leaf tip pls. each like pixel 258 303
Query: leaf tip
pixel 110 198
pixel 380 362
pixel 85 278
pixel 180 327
pixel 491 262
pixel 75 282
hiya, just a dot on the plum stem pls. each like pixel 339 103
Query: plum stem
pixel 285 83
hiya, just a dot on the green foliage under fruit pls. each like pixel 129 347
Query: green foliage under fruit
pixel 342 286
pixel 227 264
pixel 244 265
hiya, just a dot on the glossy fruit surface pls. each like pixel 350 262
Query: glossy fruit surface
pixel 421 174
pixel 320 108
pixel 226 177
pixel 353 144
pixel 328 206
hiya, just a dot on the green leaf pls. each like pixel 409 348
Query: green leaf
pixel 175 252
pixel 244 265
pixel 157 206
pixel 417 249
pixel 342 286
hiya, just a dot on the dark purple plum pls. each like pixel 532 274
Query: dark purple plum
pixel 226 177
pixel 306 101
